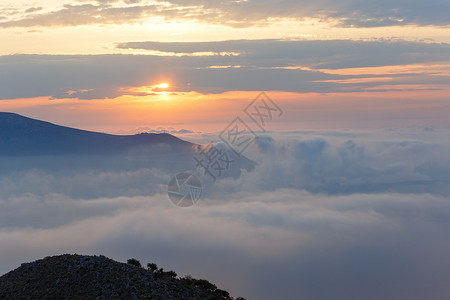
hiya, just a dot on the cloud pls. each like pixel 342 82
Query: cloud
pixel 287 243
pixel 101 13
pixel 337 165
pixel 33 9
pixel 292 66
pixel 160 129
pixel 353 13
pixel 319 163
pixel 363 213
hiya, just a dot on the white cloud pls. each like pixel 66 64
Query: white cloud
pixel 286 242
pixel 319 210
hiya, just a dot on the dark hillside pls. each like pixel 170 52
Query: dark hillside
pixel 98 277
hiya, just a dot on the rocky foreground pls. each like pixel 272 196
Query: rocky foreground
pixel 98 277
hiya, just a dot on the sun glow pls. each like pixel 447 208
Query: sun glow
pixel 156 89
pixel 162 85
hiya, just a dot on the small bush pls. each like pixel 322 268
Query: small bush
pixel 172 274
pixel 134 262
pixel 152 267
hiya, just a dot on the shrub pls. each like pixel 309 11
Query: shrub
pixel 152 267
pixel 134 262
pixel 172 274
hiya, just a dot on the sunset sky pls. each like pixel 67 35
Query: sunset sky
pixel 128 66
pixel 348 196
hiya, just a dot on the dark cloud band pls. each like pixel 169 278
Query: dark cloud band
pixel 278 65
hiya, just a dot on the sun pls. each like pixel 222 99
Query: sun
pixel 162 85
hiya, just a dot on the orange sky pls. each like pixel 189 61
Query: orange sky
pixel 398 76
pixel 211 113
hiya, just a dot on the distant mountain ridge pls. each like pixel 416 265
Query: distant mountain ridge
pixel 27 143
pixel 21 136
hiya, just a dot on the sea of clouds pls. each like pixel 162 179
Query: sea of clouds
pixel 324 215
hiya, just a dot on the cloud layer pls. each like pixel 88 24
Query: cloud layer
pixel 245 65
pixel 353 13
pixel 364 214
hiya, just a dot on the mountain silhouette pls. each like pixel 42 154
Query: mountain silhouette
pixel 98 277
pixel 20 136
pixel 27 143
